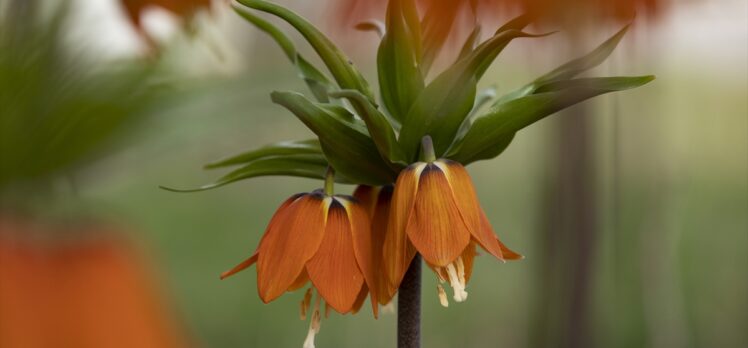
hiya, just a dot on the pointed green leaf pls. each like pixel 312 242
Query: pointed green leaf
pixel 305 166
pixel 400 78
pixel 481 99
pixel 378 126
pixel 584 63
pixel 317 82
pixel 470 42
pixel 516 24
pixel 438 112
pixel 570 69
pixel 347 76
pixel 284 148
pixel 443 105
pixel 345 142
pixel 414 26
pixel 490 133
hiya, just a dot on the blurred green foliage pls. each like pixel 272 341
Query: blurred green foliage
pixel 61 108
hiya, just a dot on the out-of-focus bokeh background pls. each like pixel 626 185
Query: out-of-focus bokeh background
pixel 635 229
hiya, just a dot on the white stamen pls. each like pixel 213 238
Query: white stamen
pixel 458 287
pixel 314 326
pixel 313 330
pixel 461 271
pixel 442 296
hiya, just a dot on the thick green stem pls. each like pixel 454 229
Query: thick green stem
pixel 330 182
pixel 427 149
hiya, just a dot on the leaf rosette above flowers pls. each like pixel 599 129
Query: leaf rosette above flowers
pixel 370 142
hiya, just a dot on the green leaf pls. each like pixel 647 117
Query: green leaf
pixel 443 105
pixel 570 69
pixel 345 142
pixel 514 25
pixel 481 99
pixel 437 24
pixel 470 42
pixel 378 126
pixel 317 82
pixel 584 63
pixel 492 132
pixel 305 166
pixel 518 23
pixel 400 78
pixel 347 76
pixel 284 148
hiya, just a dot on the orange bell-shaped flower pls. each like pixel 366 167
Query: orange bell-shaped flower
pixel 320 238
pixel 435 212
pixel 377 200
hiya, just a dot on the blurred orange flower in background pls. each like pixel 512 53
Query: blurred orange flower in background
pixel 185 10
pixel 350 12
pixel 87 292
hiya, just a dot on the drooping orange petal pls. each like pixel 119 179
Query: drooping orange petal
pixel 468 259
pixel 334 270
pixel 463 192
pixel 300 281
pixel 289 244
pixel 507 253
pixel 470 209
pixel 360 300
pixel 273 221
pixel 367 196
pixel 435 226
pixel 363 246
pixel 240 267
pixel 384 291
pixel 486 234
pixel 397 250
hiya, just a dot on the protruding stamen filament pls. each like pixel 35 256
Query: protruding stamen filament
pixel 458 286
pixel 314 325
pixel 461 271
pixel 442 295
pixel 305 303
pixel 439 275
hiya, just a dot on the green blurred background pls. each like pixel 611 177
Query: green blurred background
pixel 671 160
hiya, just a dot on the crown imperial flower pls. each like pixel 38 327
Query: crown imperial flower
pixel 436 213
pixel 350 247
pixel 321 238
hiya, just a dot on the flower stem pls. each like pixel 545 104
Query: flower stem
pixel 330 182
pixel 409 307
pixel 427 149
